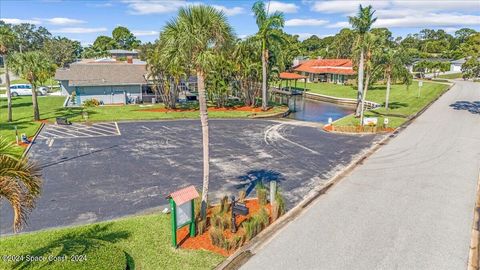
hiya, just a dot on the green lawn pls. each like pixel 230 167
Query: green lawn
pixel 144 242
pixel 403 101
pixel 451 76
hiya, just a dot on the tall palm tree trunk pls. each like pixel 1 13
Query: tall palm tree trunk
pixel 9 93
pixel 204 120
pixel 36 111
pixel 387 95
pixel 264 81
pixel 364 95
pixel 360 84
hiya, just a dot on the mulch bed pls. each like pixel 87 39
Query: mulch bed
pixel 357 129
pixel 211 109
pixel 203 241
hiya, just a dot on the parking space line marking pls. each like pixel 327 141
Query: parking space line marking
pixel 104 129
pixel 118 130
pixel 112 128
pixel 51 143
pixel 86 130
pixel 100 131
pixel 63 132
pixel 52 135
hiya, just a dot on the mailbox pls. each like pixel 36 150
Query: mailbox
pixel 237 209
pixel 240 209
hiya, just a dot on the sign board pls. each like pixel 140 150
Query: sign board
pixel 385 121
pixel 184 214
pixel 370 121
pixel 182 211
pixel 420 83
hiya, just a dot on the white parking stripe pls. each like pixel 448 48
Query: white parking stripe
pixel 85 131
pixel 80 131
pixel 108 130
pixel 62 132
pixel 118 130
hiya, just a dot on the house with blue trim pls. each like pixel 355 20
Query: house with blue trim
pixel 106 80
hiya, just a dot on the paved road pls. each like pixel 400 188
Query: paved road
pixel 94 173
pixel 409 206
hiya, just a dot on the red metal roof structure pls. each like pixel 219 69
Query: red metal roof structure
pixel 184 195
pixel 291 76
pixel 333 66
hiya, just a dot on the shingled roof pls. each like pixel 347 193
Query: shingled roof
pixel 333 66
pixel 95 74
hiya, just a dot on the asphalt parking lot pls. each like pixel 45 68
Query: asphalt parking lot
pixel 109 170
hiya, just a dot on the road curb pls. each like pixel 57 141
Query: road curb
pixel 33 140
pixel 474 254
pixel 242 255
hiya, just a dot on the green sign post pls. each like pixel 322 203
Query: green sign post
pixel 182 211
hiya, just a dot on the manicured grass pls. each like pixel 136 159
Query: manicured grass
pixel 451 76
pixel 144 242
pixel 403 100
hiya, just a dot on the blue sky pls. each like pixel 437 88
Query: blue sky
pixel 85 20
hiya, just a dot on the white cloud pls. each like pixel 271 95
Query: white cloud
pixel 339 25
pixel 142 7
pixel 143 33
pixel 431 5
pixel 230 11
pixel 429 20
pixel 78 30
pixel 63 21
pixel 19 21
pixel 282 7
pixel 346 6
pixel 305 22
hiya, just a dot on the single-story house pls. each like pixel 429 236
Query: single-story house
pixel 110 82
pixel 457 64
pixel 118 53
pixel 415 61
pixel 326 70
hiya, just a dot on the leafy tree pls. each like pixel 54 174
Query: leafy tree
pixel 199 32
pixel 471 46
pixel 342 45
pixel 7 41
pixel 166 70
pixel 471 68
pixel 36 68
pixel 361 24
pixel 266 25
pixel 392 63
pixel 30 38
pixel 62 50
pixel 20 183
pixel 248 69
pixel 463 34
pixel 104 43
pixel 124 38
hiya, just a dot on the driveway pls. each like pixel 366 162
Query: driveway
pixel 409 206
pixel 109 170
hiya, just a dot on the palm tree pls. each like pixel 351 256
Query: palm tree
pixel 199 32
pixel 266 25
pixel 7 39
pixel 20 183
pixel 36 68
pixel 361 24
pixel 393 65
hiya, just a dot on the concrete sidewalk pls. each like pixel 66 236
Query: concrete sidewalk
pixel 409 206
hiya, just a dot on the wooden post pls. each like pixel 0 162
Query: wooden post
pixel 273 191
pixel 192 224
pixel 174 223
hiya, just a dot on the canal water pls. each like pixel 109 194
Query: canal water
pixel 317 111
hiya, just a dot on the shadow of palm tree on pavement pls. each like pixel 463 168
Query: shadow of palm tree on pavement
pixel 471 106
